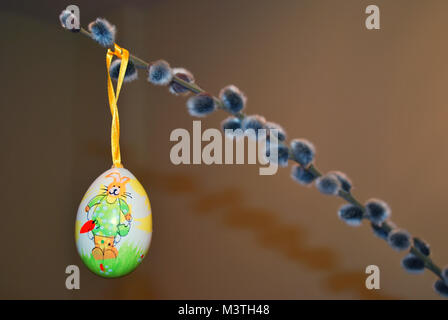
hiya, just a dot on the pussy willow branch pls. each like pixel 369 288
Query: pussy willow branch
pixel 140 63
pixel 347 196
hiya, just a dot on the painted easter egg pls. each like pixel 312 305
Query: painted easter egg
pixel 114 224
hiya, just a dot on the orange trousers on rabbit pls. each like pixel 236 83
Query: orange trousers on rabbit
pixel 104 248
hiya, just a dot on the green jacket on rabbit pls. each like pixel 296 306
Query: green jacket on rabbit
pixel 108 217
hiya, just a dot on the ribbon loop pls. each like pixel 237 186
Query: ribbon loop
pixel 122 54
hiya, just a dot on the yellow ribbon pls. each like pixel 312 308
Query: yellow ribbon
pixel 122 54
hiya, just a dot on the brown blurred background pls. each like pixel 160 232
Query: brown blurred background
pixel 373 102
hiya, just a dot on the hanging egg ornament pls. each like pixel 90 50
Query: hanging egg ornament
pixel 114 222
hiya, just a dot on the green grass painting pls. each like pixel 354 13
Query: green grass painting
pixel 129 257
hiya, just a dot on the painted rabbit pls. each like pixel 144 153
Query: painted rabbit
pixel 110 218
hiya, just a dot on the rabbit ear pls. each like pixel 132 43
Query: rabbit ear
pixel 115 175
pixel 125 180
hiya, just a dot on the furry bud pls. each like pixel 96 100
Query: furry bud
pixel 399 240
pixel 183 74
pixel 377 210
pixel 201 105
pixel 102 32
pixel 328 184
pixel 302 175
pixel 232 99
pixel 159 73
pixel 351 214
pixel 129 75
pixel 303 151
